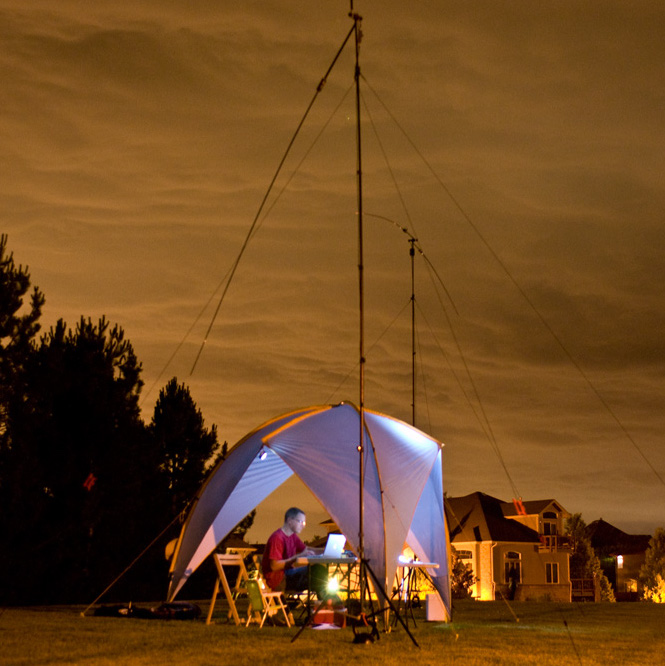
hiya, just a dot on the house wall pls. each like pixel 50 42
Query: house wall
pixel 531 521
pixel 533 585
pixel 535 521
pixel 488 560
pixel 481 563
pixel 628 587
pixel 486 582
pixel 561 518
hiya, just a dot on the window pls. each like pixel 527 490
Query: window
pixel 552 572
pixel 619 561
pixel 465 554
pixel 512 567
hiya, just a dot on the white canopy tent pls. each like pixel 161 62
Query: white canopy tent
pixel 403 488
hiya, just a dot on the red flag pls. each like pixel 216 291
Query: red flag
pixel 89 482
pixel 519 507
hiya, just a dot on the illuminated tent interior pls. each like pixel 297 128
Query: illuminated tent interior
pixel 403 488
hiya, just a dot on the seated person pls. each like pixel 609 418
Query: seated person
pixel 283 548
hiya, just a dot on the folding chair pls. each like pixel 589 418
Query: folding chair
pixel 228 559
pixel 295 601
pixel 263 603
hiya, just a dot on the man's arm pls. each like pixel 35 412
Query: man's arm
pixel 301 557
pixel 298 559
pixel 278 565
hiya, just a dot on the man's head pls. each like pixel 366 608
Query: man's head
pixel 294 519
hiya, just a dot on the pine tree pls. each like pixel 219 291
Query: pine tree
pixel 185 446
pixel 79 467
pixel 19 324
pixel 652 571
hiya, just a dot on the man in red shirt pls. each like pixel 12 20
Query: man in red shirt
pixel 283 548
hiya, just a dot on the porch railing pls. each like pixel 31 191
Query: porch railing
pixel 584 589
pixel 552 542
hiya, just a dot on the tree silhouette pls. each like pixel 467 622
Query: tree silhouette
pixel 85 485
pixel 80 465
pixel 584 562
pixel 184 445
pixel 19 324
pixel 461 576
pixel 652 571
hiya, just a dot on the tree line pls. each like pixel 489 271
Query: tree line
pixel 85 483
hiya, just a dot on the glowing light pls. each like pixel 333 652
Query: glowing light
pixel 333 585
pixel 620 561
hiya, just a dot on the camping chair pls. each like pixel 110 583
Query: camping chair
pixel 293 600
pixel 231 593
pixel 263 603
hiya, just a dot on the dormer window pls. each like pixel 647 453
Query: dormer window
pixel 550 522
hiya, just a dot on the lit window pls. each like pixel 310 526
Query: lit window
pixel 619 561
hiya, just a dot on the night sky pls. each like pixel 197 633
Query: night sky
pixel 139 139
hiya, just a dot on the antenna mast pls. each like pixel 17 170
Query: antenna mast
pixel 361 303
pixel 412 253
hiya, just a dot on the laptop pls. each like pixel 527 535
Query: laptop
pixel 334 546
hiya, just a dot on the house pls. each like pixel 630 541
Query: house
pixel 621 557
pixel 516 549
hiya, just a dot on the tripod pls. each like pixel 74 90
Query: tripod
pixel 362 620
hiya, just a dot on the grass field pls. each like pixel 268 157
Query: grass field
pixel 481 633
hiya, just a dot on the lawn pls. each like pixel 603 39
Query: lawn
pixel 481 633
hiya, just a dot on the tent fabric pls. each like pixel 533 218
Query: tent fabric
pixel 428 542
pixel 402 498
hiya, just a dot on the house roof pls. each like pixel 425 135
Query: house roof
pixel 609 540
pixel 480 517
pixel 532 507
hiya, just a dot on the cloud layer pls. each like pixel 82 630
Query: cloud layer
pixel 138 143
